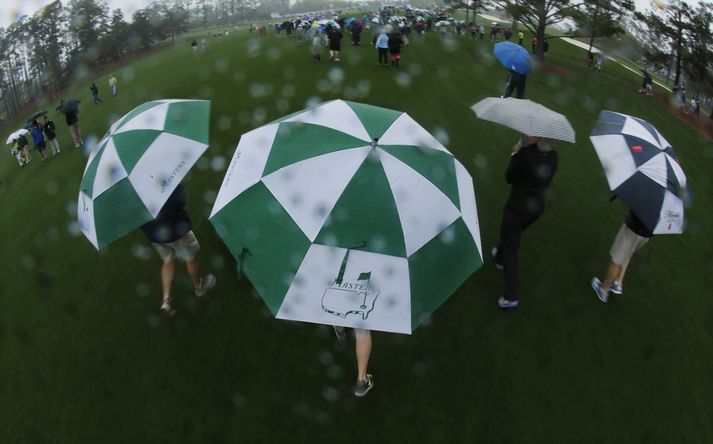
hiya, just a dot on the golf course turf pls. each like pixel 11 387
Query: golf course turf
pixel 85 356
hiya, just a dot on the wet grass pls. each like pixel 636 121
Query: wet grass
pixel 84 356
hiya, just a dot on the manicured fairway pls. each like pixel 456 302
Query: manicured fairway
pixel 84 356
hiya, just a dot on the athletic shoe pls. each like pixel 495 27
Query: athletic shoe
pixel 601 294
pixel 207 283
pixel 493 255
pixel 166 309
pixel 617 288
pixel 339 332
pixel 361 388
pixel 507 303
pixel 337 60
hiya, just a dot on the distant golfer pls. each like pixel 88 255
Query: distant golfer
pixel 173 238
pixel 71 116
pixel 532 166
pixel 112 84
pixel 50 132
pixel 39 139
pixel 632 235
pixel 95 93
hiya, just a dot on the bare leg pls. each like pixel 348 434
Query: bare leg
pixel 363 351
pixel 613 272
pixel 620 276
pixel 194 272
pixel 167 272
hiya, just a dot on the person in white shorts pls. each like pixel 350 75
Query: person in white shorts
pixel 173 238
pixel 632 235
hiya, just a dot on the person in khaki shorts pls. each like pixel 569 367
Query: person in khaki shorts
pixel 632 235
pixel 173 238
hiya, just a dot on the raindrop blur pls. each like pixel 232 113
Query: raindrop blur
pixel 224 123
pixel 217 163
pixel 73 228
pixel 403 79
pixel 312 101
pixel 217 262
pixel 141 252
pixel 330 394
pixel 51 187
pixel 142 289
pixel 441 135
pixel 336 75
pixel 288 90
pixel 209 196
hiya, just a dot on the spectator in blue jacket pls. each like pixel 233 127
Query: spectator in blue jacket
pixel 38 138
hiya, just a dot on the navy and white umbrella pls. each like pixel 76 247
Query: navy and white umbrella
pixel 642 169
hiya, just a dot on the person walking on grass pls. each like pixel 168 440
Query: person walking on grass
pixel 95 93
pixel 112 85
pixel 15 151
pixel 382 46
pixel 38 138
pixel 632 235
pixel 173 238
pixel 395 48
pixel 317 43
pixel 334 35
pixel 72 119
pixel 50 132
pixel 516 82
pixel 22 145
pixel 532 167
pixel 365 381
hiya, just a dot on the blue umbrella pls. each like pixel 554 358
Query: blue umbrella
pixel 513 57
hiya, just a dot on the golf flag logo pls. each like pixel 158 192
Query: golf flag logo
pixel 343 298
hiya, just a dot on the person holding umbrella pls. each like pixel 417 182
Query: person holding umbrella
pixel 518 61
pixel 39 139
pixel 50 132
pixel 70 109
pixel 172 237
pixel 533 164
pixel 632 235
pixel 643 171
pixel 532 167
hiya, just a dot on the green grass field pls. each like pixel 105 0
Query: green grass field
pixel 85 357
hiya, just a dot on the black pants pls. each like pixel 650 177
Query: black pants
pixel 514 223
pixel 383 53
pixel 517 81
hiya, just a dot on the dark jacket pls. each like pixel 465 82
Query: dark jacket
pixel 395 43
pixel 637 226
pixel 72 117
pixel 50 130
pixel 530 173
pixel 22 141
pixel 172 222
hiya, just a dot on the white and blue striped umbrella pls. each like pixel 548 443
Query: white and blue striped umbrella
pixel 642 169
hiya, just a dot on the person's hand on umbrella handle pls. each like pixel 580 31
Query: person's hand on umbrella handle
pixel 516 148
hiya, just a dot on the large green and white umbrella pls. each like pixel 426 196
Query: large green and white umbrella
pixel 137 165
pixel 349 214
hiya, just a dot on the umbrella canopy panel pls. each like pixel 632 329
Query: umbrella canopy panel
pixel 642 169
pixel 526 117
pixel 513 57
pixel 138 164
pixel 349 214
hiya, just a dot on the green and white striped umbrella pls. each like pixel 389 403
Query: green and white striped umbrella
pixel 138 164
pixel 349 214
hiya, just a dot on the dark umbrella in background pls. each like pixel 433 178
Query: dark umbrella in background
pixel 642 169
pixel 34 117
pixel 68 106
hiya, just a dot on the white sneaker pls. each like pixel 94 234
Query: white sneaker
pixel 601 294
pixel 207 283
pixel 617 288
pixel 166 309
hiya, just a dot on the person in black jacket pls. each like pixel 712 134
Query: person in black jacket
pixel 51 133
pixel 334 35
pixel 171 234
pixel 532 166
pixel 632 235
pixel 516 82
pixel 22 144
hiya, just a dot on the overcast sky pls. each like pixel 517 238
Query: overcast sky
pixel 12 9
